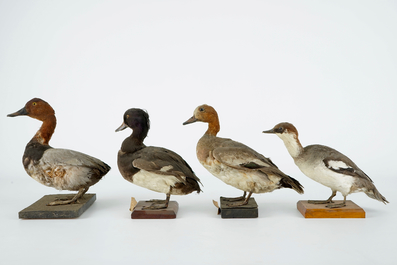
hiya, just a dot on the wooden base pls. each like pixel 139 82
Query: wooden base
pixel 245 211
pixel 169 213
pixel 351 210
pixel 40 209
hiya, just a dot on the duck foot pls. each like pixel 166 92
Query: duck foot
pixel 336 205
pixel 155 205
pixel 241 198
pixel 235 204
pixel 329 200
pixel 80 194
pixel 245 202
pixel 62 202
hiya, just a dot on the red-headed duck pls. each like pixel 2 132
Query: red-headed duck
pixel 326 166
pixel 154 168
pixel 59 168
pixel 235 163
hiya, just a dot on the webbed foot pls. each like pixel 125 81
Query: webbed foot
pixel 336 205
pixel 156 206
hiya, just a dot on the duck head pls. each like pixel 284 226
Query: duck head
pixel 35 108
pixel 39 109
pixel 208 114
pixel 283 128
pixel 203 113
pixel 289 134
pixel 137 120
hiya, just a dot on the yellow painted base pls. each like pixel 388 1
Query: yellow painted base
pixel 351 210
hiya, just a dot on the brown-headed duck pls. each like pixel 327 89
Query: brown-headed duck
pixel 62 169
pixel 235 163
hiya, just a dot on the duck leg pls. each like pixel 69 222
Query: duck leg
pixel 337 205
pixel 244 202
pixel 241 198
pixel 163 203
pixel 324 201
pixel 80 194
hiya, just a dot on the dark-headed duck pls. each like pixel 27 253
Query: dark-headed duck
pixel 155 168
pixel 235 163
pixel 59 168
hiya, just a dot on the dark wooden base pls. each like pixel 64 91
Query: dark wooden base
pixel 169 213
pixel 40 210
pixel 245 211
pixel 351 210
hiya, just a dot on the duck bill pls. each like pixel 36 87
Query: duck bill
pixel 20 112
pixel 269 131
pixel 122 127
pixel 191 120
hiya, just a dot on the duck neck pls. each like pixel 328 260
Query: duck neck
pixel 132 144
pixel 213 127
pixel 293 145
pixel 44 134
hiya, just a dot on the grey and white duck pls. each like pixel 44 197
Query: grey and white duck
pixel 235 163
pixel 326 166
pixel 154 168
pixel 62 169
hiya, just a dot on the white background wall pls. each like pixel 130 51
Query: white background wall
pixel 328 67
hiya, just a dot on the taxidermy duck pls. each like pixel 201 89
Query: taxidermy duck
pixel 326 166
pixel 154 168
pixel 62 169
pixel 235 163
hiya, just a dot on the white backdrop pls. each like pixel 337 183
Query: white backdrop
pixel 328 67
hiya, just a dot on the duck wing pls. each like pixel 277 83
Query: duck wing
pixel 69 158
pixel 240 156
pixel 341 164
pixel 163 162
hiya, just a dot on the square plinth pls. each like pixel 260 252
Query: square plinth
pixel 40 209
pixel 169 213
pixel 244 211
pixel 351 210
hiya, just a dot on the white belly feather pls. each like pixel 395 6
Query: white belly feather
pixel 320 173
pixel 60 177
pixel 250 181
pixel 155 182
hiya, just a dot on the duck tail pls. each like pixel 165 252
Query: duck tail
pixel 291 183
pixel 194 184
pixel 375 194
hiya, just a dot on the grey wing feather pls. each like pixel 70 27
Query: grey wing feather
pixel 68 157
pixel 340 163
pixel 240 158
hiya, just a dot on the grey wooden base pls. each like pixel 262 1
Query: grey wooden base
pixel 245 211
pixel 169 213
pixel 40 210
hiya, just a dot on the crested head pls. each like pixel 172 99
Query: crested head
pixel 137 120
pixel 208 114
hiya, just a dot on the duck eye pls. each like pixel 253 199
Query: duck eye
pixel 128 116
pixel 201 109
pixel 34 103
